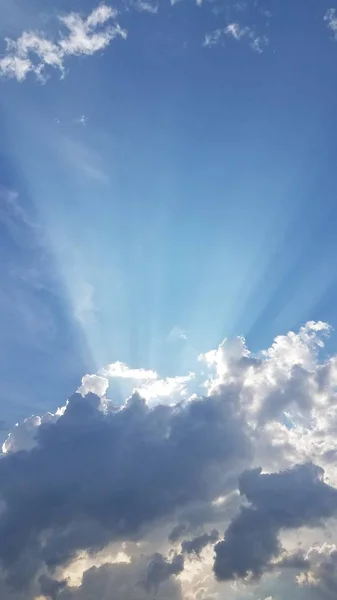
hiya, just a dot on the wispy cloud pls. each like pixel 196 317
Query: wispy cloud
pixel 146 6
pixel 82 120
pixel 33 52
pixel 176 333
pixel 331 19
pixel 238 33
pixel 84 159
pixel 84 304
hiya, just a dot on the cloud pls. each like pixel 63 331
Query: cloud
pixel 122 371
pixel 238 33
pixel 33 52
pixel 136 485
pixel 172 388
pixel 320 580
pixel 145 6
pixel 83 120
pixel 331 19
pixel 84 303
pixel 100 475
pixel 200 542
pixel 94 384
pixel 161 569
pixel 148 383
pixel 125 581
pixel 176 333
pixel 286 500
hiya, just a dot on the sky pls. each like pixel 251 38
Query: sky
pixel 168 363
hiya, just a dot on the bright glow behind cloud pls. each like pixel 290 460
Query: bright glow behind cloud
pixel 121 370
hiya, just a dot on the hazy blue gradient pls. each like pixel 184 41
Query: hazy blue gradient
pixel 199 192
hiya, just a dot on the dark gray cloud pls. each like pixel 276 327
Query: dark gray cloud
pixel 324 574
pixel 178 532
pixel 101 475
pixel 318 574
pixel 250 543
pixel 160 569
pixel 124 581
pixel 285 500
pixel 50 587
pixel 200 542
pixel 295 561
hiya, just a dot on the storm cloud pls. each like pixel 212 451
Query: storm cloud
pixel 200 542
pixel 104 496
pixel 285 500
pixel 99 474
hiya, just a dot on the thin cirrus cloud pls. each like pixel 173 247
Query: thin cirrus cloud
pixel 237 32
pixel 110 484
pixel 176 333
pixel 33 52
pixel 145 6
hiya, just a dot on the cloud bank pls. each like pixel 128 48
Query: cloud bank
pixel 132 498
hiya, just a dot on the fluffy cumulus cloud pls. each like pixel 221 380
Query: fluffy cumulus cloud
pixel 144 381
pixel 34 52
pixel 228 487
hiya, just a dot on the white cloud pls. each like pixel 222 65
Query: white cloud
pixel 172 389
pixel 83 299
pixel 211 39
pixel 94 384
pixel 121 370
pixel 238 33
pixel 83 37
pixel 259 43
pixel 82 120
pixel 23 436
pixel 176 333
pixel 147 383
pixel 331 19
pixel 32 52
pixel 146 6
pixel 155 390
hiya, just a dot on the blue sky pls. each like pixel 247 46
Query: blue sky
pixel 167 182
pixel 198 191
pixel 176 183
